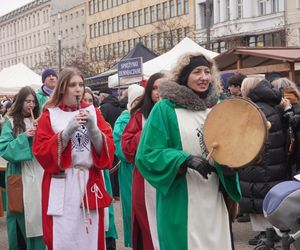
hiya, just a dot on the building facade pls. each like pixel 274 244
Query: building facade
pixel 254 23
pixel 24 34
pixel 115 26
pixel 293 22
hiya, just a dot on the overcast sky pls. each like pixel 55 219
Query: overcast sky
pixel 9 5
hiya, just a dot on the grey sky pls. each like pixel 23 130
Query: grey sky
pixel 9 5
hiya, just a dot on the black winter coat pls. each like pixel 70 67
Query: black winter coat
pixel 256 180
pixel 110 109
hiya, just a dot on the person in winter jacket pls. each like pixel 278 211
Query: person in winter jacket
pixel 257 179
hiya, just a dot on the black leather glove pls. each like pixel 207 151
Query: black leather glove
pixel 199 164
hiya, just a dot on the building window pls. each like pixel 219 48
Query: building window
pixel 186 7
pixel 140 17
pixel 172 8
pixel 146 16
pixel 109 26
pixel 239 9
pixel 100 32
pixel 135 19
pixel 202 15
pixel 129 20
pixel 153 47
pixel 179 7
pixel 158 12
pixel 227 14
pixel 165 10
pixel 152 14
pixel 298 3
pixel 114 24
pixel 262 7
pixel 119 23
pixel 124 22
pixel 274 6
pixel 147 41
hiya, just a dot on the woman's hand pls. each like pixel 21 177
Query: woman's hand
pixel 285 103
pixel 30 132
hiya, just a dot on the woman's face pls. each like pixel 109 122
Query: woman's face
pixel 88 98
pixel 29 104
pixel 154 94
pixel 74 88
pixel 199 79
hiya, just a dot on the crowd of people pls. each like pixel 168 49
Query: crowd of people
pixel 76 151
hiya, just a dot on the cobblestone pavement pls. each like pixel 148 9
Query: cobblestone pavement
pixel 242 233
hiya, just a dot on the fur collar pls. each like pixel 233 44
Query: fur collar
pixel 187 98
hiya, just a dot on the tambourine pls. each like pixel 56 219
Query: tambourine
pixel 235 132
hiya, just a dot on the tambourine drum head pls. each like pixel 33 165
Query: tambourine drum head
pixel 239 128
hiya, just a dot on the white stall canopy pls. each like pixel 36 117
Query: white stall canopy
pixel 13 78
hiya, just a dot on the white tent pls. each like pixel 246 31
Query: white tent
pixel 13 78
pixel 166 61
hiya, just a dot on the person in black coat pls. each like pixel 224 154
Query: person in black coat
pixel 257 179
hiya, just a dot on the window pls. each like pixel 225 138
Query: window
pixel 152 14
pixel 186 7
pixel 165 10
pixel 135 19
pixel 202 15
pixel 114 24
pixel 119 20
pixel 227 14
pixel 140 17
pixel 109 26
pixel 274 6
pixel 179 12
pixel 153 45
pixel 124 22
pixel 158 12
pixel 129 20
pixel 172 11
pixel 262 7
pixel 298 3
pixel 239 9
pixel 146 16
pixel 100 27
pixel 159 41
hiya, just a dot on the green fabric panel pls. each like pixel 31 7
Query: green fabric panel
pixel 112 231
pixel 125 174
pixel 159 158
pixel 125 180
pixel 230 183
pixel 14 149
pixel 42 98
pixel 172 214
pixel 35 243
pixel 160 153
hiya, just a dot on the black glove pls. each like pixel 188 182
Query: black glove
pixel 199 164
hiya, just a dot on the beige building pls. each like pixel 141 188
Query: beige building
pixel 115 26
pixel 24 33
pixel 293 22
pixel 68 26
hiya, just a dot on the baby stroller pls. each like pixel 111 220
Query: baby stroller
pixel 281 208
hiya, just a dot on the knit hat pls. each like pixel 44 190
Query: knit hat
pixel 105 90
pixel 134 91
pixel 48 72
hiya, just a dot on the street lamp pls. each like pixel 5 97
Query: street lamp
pixel 59 37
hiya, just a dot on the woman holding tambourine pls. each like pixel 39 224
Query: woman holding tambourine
pixel 191 209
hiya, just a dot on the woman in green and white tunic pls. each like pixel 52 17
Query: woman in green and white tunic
pixel 24 229
pixel 191 211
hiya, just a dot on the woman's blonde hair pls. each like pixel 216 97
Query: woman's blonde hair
pixel 185 59
pixel 63 80
pixel 248 84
